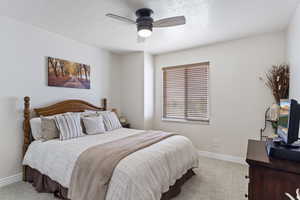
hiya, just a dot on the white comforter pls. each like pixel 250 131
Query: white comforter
pixel 143 175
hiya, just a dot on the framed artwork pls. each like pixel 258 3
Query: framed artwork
pixel 63 73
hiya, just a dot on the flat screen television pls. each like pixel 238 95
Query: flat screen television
pixel 288 122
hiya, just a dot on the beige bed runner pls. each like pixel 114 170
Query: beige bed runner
pixel 94 167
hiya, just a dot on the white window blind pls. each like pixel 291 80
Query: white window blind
pixel 185 92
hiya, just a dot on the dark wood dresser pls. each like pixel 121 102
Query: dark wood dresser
pixel 270 178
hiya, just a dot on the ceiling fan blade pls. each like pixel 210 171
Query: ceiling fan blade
pixel 120 18
pixel 140 39
pixel 168 22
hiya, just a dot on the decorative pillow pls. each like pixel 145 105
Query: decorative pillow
pixel 69 126
pixel 111 121
pixel 48 129
pixel 36 127
pixel 93 125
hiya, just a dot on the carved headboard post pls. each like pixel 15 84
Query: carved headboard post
pixel 104 104
pixel 26 129
pixel 26 125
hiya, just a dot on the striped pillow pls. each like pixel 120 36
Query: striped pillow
pixel 69 125
pixel 111 121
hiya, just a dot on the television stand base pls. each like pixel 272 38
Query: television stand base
pixel 286 152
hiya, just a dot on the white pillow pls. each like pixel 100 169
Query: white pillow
pixel 36 128
pixel 111 121
pixel 93 125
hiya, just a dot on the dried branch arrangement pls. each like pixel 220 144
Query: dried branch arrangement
pixel 278 79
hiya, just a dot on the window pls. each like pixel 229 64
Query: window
pixel 185 92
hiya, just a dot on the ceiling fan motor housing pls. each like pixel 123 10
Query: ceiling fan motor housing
pixel 144 19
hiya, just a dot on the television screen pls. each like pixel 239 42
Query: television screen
pixel 283 121
pixel 288 122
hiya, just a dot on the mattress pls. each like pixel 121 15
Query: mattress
pixel 143 175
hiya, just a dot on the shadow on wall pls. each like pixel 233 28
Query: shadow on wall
pixel 11 136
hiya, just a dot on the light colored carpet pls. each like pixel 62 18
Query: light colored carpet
pixel 215 180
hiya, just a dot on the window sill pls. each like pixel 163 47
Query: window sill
pixel 203 122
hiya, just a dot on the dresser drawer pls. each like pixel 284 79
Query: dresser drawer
pixel 266 183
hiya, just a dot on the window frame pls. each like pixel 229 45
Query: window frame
pixel 203 121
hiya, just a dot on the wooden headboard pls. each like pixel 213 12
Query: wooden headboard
pixel 57 108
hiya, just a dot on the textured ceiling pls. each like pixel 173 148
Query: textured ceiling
pixel 208 21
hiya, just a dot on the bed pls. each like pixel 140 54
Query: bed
pixel 155 172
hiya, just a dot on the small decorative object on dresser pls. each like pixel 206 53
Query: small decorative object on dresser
pixel 278 80
pixel 297 195
pixel 271 116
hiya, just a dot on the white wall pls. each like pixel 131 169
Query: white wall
pixel 132 88
pixel 238 98
pixel 24 49
pixel 293 54
pixel 137 88
pixel 148 91
pixel 114 93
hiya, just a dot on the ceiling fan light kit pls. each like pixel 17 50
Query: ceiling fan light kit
pixel 145 33
pixel 145 22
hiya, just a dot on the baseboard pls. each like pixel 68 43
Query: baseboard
pixel 11 179
pixel 224 157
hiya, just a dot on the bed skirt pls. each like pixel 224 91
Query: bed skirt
pixel 44 184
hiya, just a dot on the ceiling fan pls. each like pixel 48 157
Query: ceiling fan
pixel 145 22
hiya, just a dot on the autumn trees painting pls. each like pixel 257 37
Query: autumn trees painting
pixel 63 73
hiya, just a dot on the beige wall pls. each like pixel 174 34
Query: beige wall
pixel 23 72
pixel 238 98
